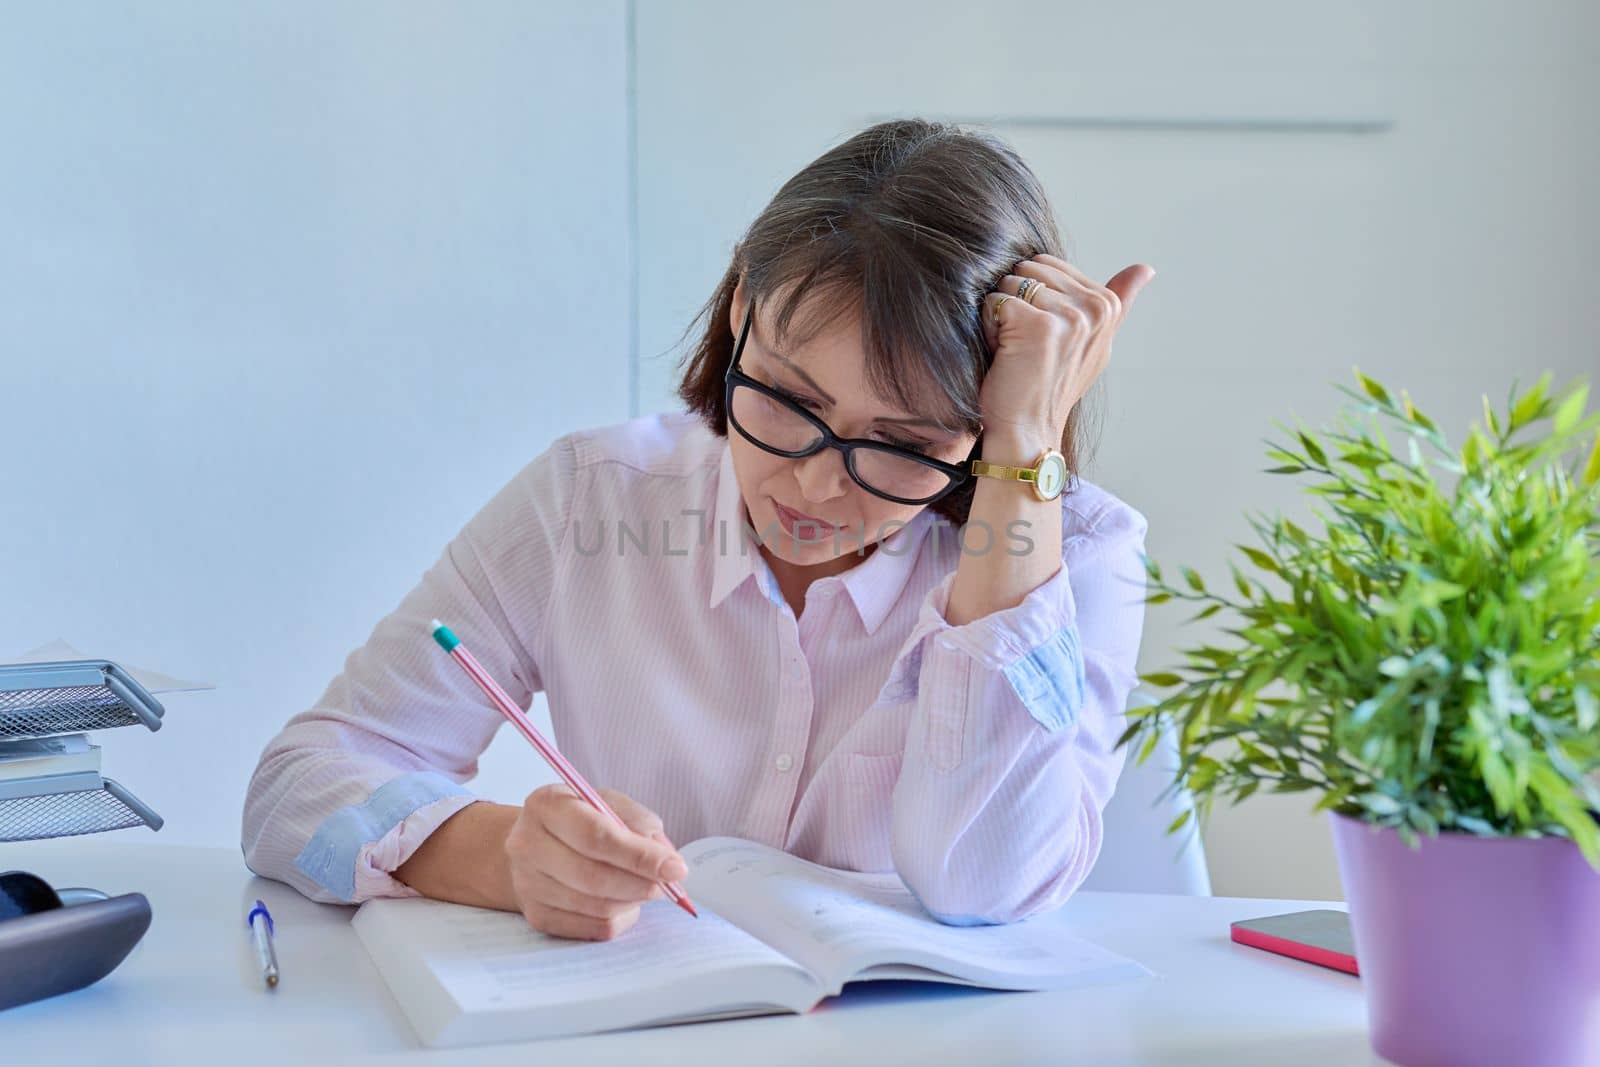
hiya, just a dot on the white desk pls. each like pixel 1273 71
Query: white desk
pixel 190 994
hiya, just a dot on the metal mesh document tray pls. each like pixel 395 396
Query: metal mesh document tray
pixel 64 805
pixel 39 699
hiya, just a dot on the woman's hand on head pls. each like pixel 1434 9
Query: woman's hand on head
pixel 1049 351
pixel 576 873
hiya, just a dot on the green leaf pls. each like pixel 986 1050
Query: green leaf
pixel 1587 708
pixel 1267 563
pixel 1181 821
pixel 1591 469
pixel 1314 450
pixel 1239 583
pixel 1570 411
pixel 1497 779
pixel 1424 821
pixel 1205 772
pixel 1394 666
pixel 1379 803
pixel 1415 416
pixel 1587 838
pixel 1163 679
pixel 1532 404
pixel 1374 390
pixel 1327 802
pixel 1147 749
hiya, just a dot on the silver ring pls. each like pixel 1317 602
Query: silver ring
pixel 1026 288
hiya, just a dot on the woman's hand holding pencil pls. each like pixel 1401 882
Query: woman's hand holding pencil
pixel 576 873
pixel 581 860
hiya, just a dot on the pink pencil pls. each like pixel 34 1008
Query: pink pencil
pixel 569 774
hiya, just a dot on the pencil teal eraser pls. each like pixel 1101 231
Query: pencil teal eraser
pixel 442 634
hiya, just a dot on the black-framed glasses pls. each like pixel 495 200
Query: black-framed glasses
pixel 777 424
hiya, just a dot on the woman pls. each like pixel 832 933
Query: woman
pixel 817 624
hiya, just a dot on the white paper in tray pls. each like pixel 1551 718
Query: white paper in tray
pixel 154 681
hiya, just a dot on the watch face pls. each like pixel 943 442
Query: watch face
pixel 1052 476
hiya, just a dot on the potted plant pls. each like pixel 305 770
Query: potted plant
pixel 1429 662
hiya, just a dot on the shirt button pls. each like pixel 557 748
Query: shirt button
pixel 783 763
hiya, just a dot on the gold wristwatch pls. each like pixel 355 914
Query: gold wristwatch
pixel 1048 475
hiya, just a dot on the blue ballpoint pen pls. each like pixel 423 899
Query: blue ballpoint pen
pixel 261 933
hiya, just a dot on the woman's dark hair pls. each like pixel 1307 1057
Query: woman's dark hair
pixel 908 224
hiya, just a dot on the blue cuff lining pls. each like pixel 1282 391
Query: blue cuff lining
pixel 950 920
pixel 329 858
pixel 1049 680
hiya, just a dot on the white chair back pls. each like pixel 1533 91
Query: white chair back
pixel 1137 854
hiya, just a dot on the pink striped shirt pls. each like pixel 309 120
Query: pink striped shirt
pixel 612 573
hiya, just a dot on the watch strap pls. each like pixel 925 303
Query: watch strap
pixel 985 469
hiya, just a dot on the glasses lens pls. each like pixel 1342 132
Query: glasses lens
pixel 897 475
pixel 778 426
pixel 770 422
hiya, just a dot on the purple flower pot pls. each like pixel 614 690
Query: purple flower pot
pixel 1474 950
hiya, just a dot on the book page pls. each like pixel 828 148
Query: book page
pixel 494 960
pixel 842 923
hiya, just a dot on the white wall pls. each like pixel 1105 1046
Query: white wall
pixel 286 293
pixel 1407 187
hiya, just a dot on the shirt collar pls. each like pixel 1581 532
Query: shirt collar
pixel 875 584
pixel 733 561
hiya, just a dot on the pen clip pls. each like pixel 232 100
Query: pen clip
pixel 259 909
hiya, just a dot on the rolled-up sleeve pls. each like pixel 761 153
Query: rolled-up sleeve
pixel 349 788
pixel 1011 751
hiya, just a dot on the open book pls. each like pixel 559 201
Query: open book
pixel 775 934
